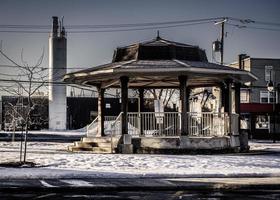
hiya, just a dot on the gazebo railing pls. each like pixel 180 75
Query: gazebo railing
pixel 155 124
pixel 207 124
pixel 92 128
pixel 115 126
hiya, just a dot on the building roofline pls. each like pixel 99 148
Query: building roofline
pixel 255 58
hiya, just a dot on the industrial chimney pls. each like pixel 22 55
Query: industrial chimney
pixel 57 69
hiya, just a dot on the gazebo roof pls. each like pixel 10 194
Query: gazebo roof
pixel 159 49
pixel 157 64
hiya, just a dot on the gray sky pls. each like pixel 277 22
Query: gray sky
pixel 90 49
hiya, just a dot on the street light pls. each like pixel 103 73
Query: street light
pixel 270 88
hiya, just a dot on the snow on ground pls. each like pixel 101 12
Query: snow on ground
pixel 55 162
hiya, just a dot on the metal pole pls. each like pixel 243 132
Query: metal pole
pixel 274 116
pixel 274 119
pixel 222 42
pixel 222 22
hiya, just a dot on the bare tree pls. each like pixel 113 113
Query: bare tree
pixel 166 95
pixel 29 80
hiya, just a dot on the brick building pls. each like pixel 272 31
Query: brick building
pixel 259 106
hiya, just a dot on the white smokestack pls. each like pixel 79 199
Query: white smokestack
pixel 57 69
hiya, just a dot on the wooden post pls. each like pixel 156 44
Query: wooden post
pixel 228 104
pixel 237 98
pixel 101 110
pixel 124 104
pixel 226 97
pixel 237 105
pixel 141 108
pixel 184 93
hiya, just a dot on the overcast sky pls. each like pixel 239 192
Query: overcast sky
pixel 90 49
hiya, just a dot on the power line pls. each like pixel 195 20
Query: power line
pixel 252 27
pixel 110 30
pixel 109 25
pixel 250 21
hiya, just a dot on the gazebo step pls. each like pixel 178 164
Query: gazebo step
pixel 104 144
pixel 96 139
pixel 84 144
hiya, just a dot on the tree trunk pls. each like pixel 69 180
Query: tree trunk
pixel 25 140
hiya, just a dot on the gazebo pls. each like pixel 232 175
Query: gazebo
pixel 161 64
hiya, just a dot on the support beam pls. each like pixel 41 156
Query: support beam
pixel 225 96
pixel 237 98
pixel 101 110
pixel 141 108
pixel 124 103
pixel 184 100
pixel 237 102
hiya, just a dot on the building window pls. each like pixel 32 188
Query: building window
pixel 244 96
pixel 262 122
pixel 269 73
pixel 267 97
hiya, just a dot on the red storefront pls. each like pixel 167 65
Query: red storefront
pixel 261 119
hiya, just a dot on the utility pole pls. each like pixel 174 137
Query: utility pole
pixel 222 23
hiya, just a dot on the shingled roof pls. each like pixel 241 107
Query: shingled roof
pixel 159 49
pixel 158 63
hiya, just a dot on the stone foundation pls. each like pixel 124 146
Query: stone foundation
pixel 165 145
pixel 182 144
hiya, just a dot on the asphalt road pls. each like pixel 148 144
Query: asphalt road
pixel 178 188
pixel 138 194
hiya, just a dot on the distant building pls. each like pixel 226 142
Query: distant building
pixel 80 111
pixel 258 105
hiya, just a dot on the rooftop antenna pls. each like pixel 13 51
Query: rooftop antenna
pixel 158 37
pixel 62 27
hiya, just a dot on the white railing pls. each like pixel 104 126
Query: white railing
pixel 208 124
pixel 108 120
pixel 92 128
pixel 153 123
pixel 115 126
pixel 145 124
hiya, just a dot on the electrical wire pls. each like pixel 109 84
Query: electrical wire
pixel 110 30
pixel 110 25
pixel 252 27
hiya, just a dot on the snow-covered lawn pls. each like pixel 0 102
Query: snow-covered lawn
pixel 55 162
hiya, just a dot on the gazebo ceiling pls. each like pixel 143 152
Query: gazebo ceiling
pixel 158 63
